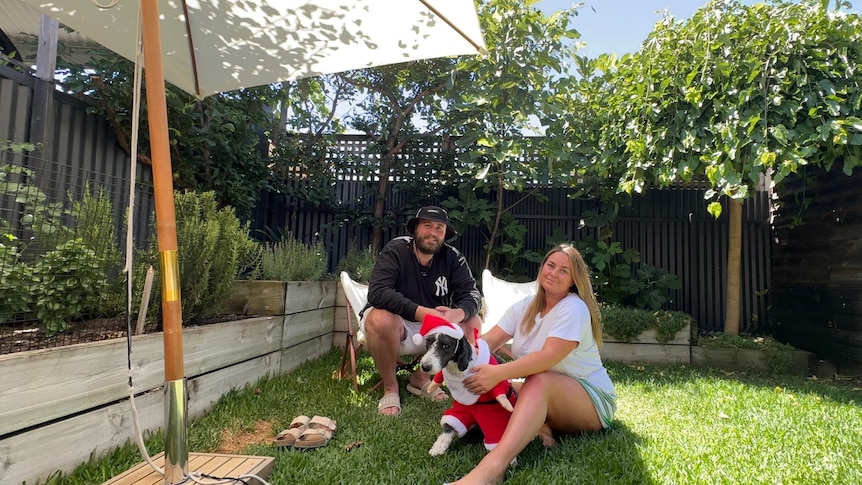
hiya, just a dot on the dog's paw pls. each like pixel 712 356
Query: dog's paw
pixel 441 445
pixel 436 451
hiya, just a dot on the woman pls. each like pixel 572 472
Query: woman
pixel 555 338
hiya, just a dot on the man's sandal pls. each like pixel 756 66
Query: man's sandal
pixel 424 393
pixel 391 400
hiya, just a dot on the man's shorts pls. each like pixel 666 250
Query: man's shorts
pixel 406 347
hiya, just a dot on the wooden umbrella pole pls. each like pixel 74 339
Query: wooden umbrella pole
pixel 176 443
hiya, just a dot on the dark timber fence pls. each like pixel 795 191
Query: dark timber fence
pixel 82 151
pixel 817 272
pixel 670 228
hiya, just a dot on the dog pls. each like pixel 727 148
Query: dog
pixel 450 358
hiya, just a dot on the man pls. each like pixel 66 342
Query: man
pixel 415 276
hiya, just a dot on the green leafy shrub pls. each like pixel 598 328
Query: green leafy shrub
pixel 39 215
pixel 777 355
pixel 95 227
pixel 62 272
pixel 619 276
pixel 212 246
pixel 67 281
pixel 359 263
pixel 625 324
pixel 15 279
pixel 290 260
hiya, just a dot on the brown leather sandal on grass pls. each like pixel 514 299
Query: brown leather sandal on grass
pixel 318 433
pixel 286 438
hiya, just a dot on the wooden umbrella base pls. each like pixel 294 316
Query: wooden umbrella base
pixel 213 464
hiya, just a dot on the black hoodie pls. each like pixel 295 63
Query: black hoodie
pixel 399 285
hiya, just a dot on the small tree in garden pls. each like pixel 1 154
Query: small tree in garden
pixel 500 105
pixel 574 132
pixel 735 94
pixel 301 135
pixel 396 98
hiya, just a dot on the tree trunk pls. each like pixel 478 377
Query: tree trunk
pixel 379 204
pixel 734 268
pixel 497 218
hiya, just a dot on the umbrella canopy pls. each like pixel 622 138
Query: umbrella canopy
pixel 216 46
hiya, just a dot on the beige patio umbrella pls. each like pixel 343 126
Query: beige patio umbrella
pixel 206 47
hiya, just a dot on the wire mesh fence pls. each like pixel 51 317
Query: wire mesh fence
pixel 62 252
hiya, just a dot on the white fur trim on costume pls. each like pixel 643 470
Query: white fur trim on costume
pixel 432 324
pixel 455 423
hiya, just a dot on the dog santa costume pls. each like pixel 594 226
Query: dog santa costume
pixel 486 410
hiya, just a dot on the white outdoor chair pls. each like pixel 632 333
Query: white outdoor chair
pixel 357 296
pixel 499 295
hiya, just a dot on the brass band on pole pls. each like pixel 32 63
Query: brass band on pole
pixel 170 266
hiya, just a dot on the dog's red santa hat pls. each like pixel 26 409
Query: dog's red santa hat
pixel 432 324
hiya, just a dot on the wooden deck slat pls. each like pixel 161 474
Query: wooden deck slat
pixel 218 465
pixel 228 468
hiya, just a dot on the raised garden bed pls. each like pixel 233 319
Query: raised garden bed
pixel 743 360
pixel 646 349
pixel 79 393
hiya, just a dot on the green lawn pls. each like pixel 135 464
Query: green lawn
pixel 674 425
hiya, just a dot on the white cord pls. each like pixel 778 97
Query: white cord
pixel 133 168
pixel 195 477
pixel 139 435
pixel 130 224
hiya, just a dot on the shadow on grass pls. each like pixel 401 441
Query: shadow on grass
pixel 609 456
pixel 841 392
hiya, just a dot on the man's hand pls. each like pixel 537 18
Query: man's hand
pixel 455 315
pixel 424 311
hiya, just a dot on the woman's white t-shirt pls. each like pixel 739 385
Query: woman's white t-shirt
pixel 568 320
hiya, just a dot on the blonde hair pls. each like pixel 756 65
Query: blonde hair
pixel 583 287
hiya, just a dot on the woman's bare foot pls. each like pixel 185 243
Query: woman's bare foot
pixel 547 436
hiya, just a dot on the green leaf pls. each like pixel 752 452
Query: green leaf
pixel 714 208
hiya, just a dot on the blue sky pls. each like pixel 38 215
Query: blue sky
pixel 620 25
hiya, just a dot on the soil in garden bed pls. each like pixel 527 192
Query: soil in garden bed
pixel 29 335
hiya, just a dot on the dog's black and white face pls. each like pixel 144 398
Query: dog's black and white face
pixel 441 350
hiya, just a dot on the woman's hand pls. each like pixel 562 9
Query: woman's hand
pixel 484 379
